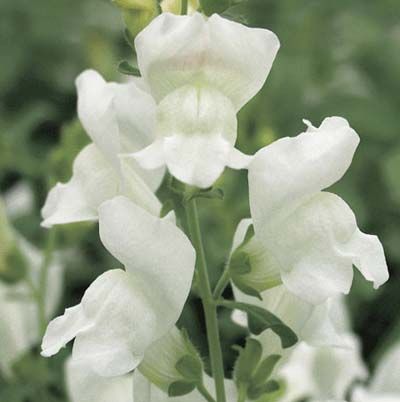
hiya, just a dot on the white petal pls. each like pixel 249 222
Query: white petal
pixel 361 394
pixel 63 329
pixel 84 385
pixel 119 118
pixel 315 279
pixel 155 253
pixel 93 181
pixel 196 129
pixel 285 173
pixel 238 160
pixel 113 325
pixel 135 188
pixel 368 256
pixel 327 325
pixel 96 112
pixel 387 373
pixel 315 248
pixel 135 112
pixel 177 50
pixel 196 160
pixel 322 372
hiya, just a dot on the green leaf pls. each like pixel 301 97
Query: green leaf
pixel 180 388
pixel 129 39
pixel 167 207
pixel 125 68
pixel 264 370
pixel 248 359
pixel 190 367
pixel 214 6
pixel 261 319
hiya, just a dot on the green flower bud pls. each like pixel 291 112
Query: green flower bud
pixel 170 360
pixel 136 20
pixel 137 14
pixel 252 269
pixel 136 4
pixel 174 6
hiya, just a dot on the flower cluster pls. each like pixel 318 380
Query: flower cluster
pixel 295 253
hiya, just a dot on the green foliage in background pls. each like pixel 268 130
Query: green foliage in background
pixel 336 58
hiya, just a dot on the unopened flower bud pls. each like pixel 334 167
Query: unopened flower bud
pixel 174 6
pixel 160 361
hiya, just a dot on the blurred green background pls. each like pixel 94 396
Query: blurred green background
pixel 336 58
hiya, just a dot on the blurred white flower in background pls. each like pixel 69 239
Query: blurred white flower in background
pixel 385 382
pixel 20 267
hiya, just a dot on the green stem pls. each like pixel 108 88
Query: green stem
pixel 157 7
pixel 42 285
pixel 222 282
pixel 203 391
pixel 210 309
pixel 242 393
pixel 184 7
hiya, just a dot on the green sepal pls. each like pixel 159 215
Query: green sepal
pixel 179 388
pixel 261 319
pixel 267 388
pixel 264 370
pixel 125 68
pixel 130 39
pixel 167 207
pixel 239 262
pixel 191 368
pixel 247 362
pixel 246 289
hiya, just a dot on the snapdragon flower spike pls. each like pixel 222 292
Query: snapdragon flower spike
pixel 308 238
pixel 200 72
pixel 119 118
pixel 123 312
pixel 384 385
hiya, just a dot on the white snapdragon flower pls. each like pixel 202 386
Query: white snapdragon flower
pixel 307 238
pixel 123 312
pixel 119 118
pixel 200 72
pixel 385 385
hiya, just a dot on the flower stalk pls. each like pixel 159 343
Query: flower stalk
pixel 210 309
